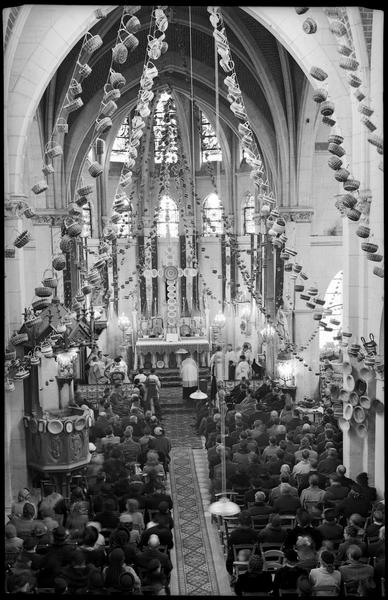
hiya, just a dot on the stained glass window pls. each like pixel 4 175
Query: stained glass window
pixel 212 215
pixel 168 218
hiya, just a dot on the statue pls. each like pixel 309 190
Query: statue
pixel 281 324
pixel 270 343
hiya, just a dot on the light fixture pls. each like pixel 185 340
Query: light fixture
pixel 219 319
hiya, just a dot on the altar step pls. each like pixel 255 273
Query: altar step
pixel 170 378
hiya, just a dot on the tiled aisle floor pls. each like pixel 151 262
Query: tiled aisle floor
pixel 199 564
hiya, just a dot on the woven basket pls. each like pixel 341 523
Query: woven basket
pixel 375 257
pixel 362 231
pixel 52 150
pixel 85 190
pixel 318 73
pixel 335 138
pixel 65 243
pixel 328 121
pixel 349 64
pixel 59 262
pixel 61 126
pixel 43 292
pixel 75 88
pixel 84 70
pixel 95 169
pixel 304 297
pixel 333 12
pixel 91 45
pixel 341 174
pixel 10 253
pixel 369 247
pixel 19 338
pixel 86 289
pixel 300 10
pixel 348 200
pixel 10 355
pixel 319 95
pixel 353 80
pixel 344 50
pixel 334 163
pixel 327 108
pixel 379 271
pixel 29 212
pixel 119 53
pixel 353 214
pixel 40 304
pixel 74 229
pixel 50 282
pixel 103 124
pixel 368 124
pixel 299 287
pixel 131 42
pixel 109 234
pixel 40 187
pixel 115 218
pixel 111 93
pixel 376 140
pixel 99 146
pixel 117 80
pixel 309 25
pixel 351 185
pixel 108 108
pixel 364 109
pixel 22 239
pixel 288 267
pixel 336 149
pixel 74 210
pixel 81 201
pixel 359 95
pixel 74 105
pixel 133 25
pixel 48 169
pixel 338 28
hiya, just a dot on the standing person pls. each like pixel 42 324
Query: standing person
pixel 189 375
pixel 121 366
pixel 270 346
pixel 153 386
pixel 230 363
pixel 216 370
pixel 94 371
pixel 247 351
pixel 243 369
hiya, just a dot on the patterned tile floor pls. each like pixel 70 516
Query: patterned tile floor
pixel 199 565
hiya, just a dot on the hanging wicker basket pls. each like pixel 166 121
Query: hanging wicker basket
pixel 109 234
pixel 369 247
pixel 338 28
pixel 368 124
pixel 43 292
pixel 349 64
pixel 319 95
pixel 22 239
pixel 366 110
pixel 19 338
pixel 335 138
pixel 359 95
pixel 344 50
pixel 85 190
pixel 39 187
pixel 318 73
pixel 52 150
pixel 86 289
pixel 336 149
pixel 40 304
pixel 65 243
pixel 74 229
pixel 93 43
pixel 48 169
pixel 75 88
pixel 108 108
pixel 29 212
pixel 73 105
pixel 100 146
pixel 376 140
pixel 59 262
pixel 116 79
pixel 115 218
pixel 119 53
pixel 353 214
pixel 353 80
pixel 61 125
pixel 327 108
pixel 351 185
pixel 333 12
pixel 309 25
pixel 300 10
pixel 379 271
pixel 342 174
pixel 131 42
pixel 133 25
pixel 334 163
pixel 363 231
pixel 95 169
pixel 9 355
pixel 49 281
pixel 374 257
pixel 103 125
pixel 84 70
pixel 348 200
pixel 328 121
pixel 10 253
pixel 111 93
pixel 81 201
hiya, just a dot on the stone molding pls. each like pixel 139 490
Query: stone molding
pixel 54 219
pixel 302 214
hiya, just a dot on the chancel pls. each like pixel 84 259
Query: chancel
pixel 194 300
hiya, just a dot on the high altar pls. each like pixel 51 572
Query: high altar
pixel 160 338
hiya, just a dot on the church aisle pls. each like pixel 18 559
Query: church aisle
pixel 199 565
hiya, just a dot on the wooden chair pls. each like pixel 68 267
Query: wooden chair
pixel 351 588
pixel 329 590
pixel 230 524
pixel 259 522
pixel 287 521
pixel 288 592
pixel 239 566
pixel 264 546
pixel 237 547
pixel 273 560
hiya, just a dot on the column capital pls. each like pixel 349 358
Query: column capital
pixel 50 218
pixel 298 214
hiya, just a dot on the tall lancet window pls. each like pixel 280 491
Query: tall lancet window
pixel 248 214
pixel 212 215
pixel 210 147
pixel 168 218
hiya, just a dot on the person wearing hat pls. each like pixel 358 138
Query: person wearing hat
pixel 330 529
pixel 109 439
pixel 88 544
pixel 62 547
pixel 24 495
pixel 325 574
pixel 287 576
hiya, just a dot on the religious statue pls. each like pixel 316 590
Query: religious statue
pixel 281 324
pixel 269 340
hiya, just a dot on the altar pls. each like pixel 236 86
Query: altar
pixel 161 351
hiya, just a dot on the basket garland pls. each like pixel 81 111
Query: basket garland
pixel 85 190
pixel 363 231
pixel 50 282
pixel 334 162
pixel 374 257
pixel 353 214
pixel 74 229
pixel 336 149
pixel 351 185
pixel 341 175
pixel 39 187
pixel 338 28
